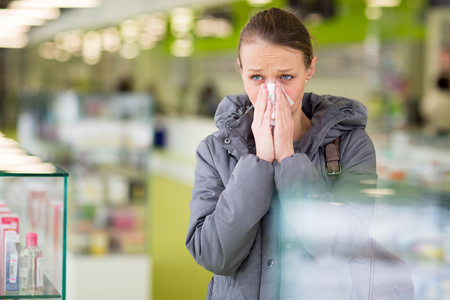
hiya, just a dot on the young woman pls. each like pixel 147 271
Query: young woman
pixel 267 216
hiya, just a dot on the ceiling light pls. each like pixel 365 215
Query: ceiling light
pixel 49 13
pixel 63 3
pixel 16 28
pixel 182 47
pixel 130 30
pixel 181 21
pixel 383 3
pixel 258 2
pixel 155 25
pixel 62 55
pixel 7 19
pixel 23 8
pixel 18 41
pixel 74 42
pixel 215 27
pixel 129 50
pixel 110 39
pixel 148 41
pixel 92 46
pixel 10 35
pixel 47 50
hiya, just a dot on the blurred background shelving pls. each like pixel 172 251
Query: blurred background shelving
pixel 104 140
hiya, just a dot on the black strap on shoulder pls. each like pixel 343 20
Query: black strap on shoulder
pixel 332 158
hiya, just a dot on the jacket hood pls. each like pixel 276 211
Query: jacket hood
pixel 329 115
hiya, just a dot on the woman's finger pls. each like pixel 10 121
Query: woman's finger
pixel 267 113
pixel 260 106
pixel 257 104
pixel 263 104
pixel 282 107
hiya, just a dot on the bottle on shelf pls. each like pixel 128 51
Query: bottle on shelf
pixel 31 262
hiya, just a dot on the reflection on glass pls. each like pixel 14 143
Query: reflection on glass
pixel 350 244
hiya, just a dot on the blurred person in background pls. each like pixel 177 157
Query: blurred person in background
pixel 270 217
pixel 209 100
pixel 436 105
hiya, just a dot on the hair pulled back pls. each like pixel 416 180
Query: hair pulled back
pixel 279 27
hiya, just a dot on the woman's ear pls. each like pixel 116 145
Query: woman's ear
pixel 240 67
pixel 312 68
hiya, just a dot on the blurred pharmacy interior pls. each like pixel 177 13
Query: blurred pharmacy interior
pixel 119 94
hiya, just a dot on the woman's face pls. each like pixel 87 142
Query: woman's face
pixel 261 62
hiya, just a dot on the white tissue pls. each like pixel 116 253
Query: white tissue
pixel 271 96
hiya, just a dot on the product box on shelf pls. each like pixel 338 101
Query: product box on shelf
pixel 11 261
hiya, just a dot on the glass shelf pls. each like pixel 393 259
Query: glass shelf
pixel 49 292
pixel 58 173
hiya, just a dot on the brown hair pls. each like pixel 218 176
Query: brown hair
pixel 278 27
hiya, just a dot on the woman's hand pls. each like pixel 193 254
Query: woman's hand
pixel 283 133
pixel 261 126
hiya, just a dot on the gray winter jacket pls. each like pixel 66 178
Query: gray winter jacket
pixel 285 231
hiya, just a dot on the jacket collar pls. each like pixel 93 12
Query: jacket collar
pixel 234 117
pixel 329 115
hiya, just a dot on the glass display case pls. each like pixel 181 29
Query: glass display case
pixel 413 206
pixel 33 199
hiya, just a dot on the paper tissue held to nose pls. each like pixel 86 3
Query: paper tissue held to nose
pixel 271 96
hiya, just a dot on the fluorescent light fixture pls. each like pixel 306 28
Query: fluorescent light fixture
pixel 129 50
pixel 130 30
pixel 62 55
pixel 155 25
pixel 73 42
pixel 28 9
pixel 49 13
pixel 92 47
pixel 110 39
pixel 182 47
pixel 10 35
pixel 147 40
pixel 7 19
pixel 181 21
pixel 216 27
pixel 47 50
pixel 258 2
pixel 383 3
pixel 63 3
pixel 15 28
pixel 13 43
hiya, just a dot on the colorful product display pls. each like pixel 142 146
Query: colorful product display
pixel 22 269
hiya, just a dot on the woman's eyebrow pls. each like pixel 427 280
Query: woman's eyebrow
pixel 286 70
pixel 254 70
pixel 279 70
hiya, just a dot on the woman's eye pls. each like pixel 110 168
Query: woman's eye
pixel 286 77
pixel 257 77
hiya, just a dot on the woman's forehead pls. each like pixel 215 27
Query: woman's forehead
pixel 258 55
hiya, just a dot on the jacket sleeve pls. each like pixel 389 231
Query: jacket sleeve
pixel 224 219
pixel 332 225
